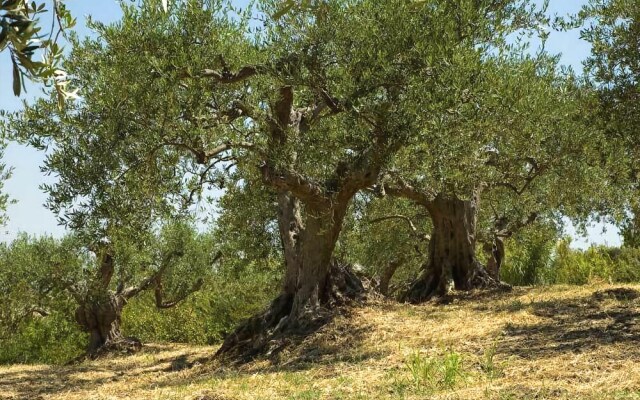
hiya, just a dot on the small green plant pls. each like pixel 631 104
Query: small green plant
pixel 489 365
pixel 433 373
pixel 423 370
pixel 452 369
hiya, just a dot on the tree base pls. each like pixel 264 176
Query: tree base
pixel 431 286
pixel 272 330
pixel 123 345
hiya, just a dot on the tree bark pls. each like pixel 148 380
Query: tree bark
pixel 290 227
pixel 452 262
pixel 387 274
pixel 495 256
pixel 101 316
pixel 310 290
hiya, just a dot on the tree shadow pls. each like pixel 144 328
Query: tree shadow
pixel 35 382
pixel 577 325
pixel 340 341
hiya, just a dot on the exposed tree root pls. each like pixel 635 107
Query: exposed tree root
pixel 270 331
pixel 122 346
pixel 439 286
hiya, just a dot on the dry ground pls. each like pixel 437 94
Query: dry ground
pixel 542 343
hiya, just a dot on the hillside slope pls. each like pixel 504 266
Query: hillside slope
pixel 541 343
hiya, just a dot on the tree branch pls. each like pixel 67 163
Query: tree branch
pixel 159 292
pixel 226 76
pixel 516 226
pixel 300 186
pixel 402 189
pixel 148 281
pixel 535 171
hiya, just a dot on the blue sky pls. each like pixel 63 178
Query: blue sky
pixel 29 215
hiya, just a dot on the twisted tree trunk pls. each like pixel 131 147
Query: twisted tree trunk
pixel 101 316
pixel 314 283
pixel 100 311
pixel 387 274
pixel 452 262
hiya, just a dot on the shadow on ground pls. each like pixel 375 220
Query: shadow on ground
pixel 158 366
pixel 608 317
pixel 38 381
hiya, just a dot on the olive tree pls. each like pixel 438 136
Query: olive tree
pixel 315 103
pixel 41 275
pixel 513 131
pixel 612 28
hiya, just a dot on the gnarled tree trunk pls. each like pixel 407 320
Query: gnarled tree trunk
pixel 100 316
pixel 452 262
pixel 99 310
pixel 314 283
pixel 290 227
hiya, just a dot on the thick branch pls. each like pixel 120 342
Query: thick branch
pixel 148 281
pixel 159 291
pixel 159 294
pixel 216 151
pixel 516 226
pixel 228 76
pixel 400 188
pixel 283 107
pixel 300 186
pixel 105 273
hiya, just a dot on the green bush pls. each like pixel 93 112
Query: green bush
pixel 529 256
pixel 610 264
pixel 54 339
pixel 536 257
pixel 206 316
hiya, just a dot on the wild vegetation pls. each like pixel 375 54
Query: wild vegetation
pixel 277 183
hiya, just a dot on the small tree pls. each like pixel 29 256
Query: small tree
pixel 101 278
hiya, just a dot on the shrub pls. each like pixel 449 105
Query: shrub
pixel 611 264
pixel 529 256
pixel 207 315
pixel 54 339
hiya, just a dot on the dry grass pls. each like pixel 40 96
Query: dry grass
pixel 542 343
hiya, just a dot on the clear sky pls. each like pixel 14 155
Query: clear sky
pixel 29 215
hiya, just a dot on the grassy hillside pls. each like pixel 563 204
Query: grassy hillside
pixel 542 343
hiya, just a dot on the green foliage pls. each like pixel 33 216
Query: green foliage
pixel 529 256
pixel 613 29
pixel 597 263
pixel 33 276
pixel 22 35
pixel 207 315
pixel 380 232
pixel 537 257
pixel 54 339
pixel 5 173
